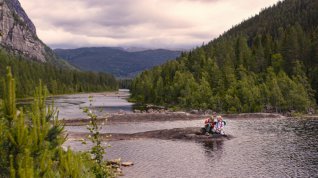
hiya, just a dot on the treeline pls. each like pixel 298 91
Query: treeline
pixel 124 83
pixel 59 80
pixel 267 63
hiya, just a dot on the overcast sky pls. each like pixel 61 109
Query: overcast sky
pixel 140 23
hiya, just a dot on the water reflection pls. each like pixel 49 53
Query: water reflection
pixel 213 145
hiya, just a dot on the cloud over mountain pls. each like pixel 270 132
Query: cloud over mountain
pixel 144 23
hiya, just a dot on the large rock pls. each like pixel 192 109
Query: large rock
pixel 18 33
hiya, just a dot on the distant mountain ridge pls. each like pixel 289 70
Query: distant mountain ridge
pixel 121 62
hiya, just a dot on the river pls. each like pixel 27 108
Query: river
pixel 269 147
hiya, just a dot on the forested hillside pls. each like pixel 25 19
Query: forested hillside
pixel 266 63
pixel 117 61
pixel 59 80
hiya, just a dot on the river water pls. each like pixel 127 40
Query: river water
pixel 71 106
pixel 285 147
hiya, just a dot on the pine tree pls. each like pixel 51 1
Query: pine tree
pixel 31 144
pixel 277 49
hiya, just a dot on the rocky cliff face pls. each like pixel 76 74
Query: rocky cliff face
pixel 18 33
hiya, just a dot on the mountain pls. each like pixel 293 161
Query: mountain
pixel 31 60
pixel 268 63
pixel 121 62
pixel 18 34
pixel 134 49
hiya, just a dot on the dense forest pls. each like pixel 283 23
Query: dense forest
pixel 267 63
pixel 59 80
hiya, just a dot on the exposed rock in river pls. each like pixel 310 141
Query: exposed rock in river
pixel 190 133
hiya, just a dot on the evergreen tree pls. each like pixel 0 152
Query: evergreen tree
pixel 31 144
pixel 27 73
pixel 266 63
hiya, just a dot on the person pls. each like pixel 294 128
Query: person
pixel 209 122
pixel 219 125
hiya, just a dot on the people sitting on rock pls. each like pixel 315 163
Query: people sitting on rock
pixel 219 125
pixel 209 123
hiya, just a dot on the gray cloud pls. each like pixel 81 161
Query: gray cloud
pixel 144 23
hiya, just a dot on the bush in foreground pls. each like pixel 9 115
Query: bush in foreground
pixel 31 142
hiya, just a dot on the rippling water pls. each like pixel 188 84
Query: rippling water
pixel 261 148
